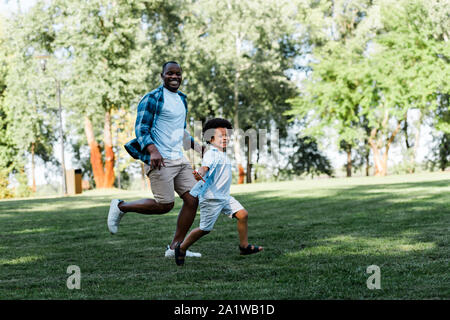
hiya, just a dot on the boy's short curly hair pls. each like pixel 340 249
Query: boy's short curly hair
pixel 211 125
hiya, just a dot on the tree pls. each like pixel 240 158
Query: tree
pixel 308 159
pixel 378 64
pixel 8 150
pixel 337 33
pixel 440 156
pixel 99 37
pixel 241 51
pixel 405 72
pixel 27 94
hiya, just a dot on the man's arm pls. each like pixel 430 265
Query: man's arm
pixel 143 124
pixel 156 160
pixel 142 127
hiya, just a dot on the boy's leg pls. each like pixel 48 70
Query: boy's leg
pixel 209 212
pixel 239 212
pixel 192 237
pixel 185 218
pixel 242 227
pixel 184 181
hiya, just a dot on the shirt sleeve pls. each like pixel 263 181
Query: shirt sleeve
pixel 208 159
pixel 143 123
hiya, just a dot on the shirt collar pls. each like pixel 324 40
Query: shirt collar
pixel 161 88
pixel 215 149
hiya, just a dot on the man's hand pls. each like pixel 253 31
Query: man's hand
pixel 156 160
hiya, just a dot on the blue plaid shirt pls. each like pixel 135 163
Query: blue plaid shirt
pixel 149 108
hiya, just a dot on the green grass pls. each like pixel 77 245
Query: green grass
pixel 319 238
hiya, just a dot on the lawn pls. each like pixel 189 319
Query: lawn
pixel 319 237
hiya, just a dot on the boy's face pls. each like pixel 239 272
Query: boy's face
pixel 220 138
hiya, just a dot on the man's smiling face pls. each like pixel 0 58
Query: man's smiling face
pixel 172 77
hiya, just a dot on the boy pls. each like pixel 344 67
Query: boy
pixel 213 192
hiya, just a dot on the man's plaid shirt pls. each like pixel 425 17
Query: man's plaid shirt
pixel 149 108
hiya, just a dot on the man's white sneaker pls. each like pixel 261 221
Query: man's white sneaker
pixel 170 253
pixel 114 216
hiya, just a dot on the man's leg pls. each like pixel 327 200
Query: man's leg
pixel 161 181
pixel 145 206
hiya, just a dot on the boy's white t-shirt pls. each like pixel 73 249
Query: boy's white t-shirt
pixel 219 187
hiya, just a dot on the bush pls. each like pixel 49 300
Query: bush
pixel 5 192
pixel 22 190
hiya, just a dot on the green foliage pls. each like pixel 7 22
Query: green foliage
pixel 332 95
pixel 8 150
pixel 27 106
pixel 307 159
pixel 22 190
pixel 372 62
pixel 367 64
pixel 440 156
pixel 443 152
pixel 5 192
pixel 97 39
pixel 240 49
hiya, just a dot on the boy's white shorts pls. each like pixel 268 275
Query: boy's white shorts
pixel 210 210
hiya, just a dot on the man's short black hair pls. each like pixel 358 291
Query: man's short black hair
pixel 213 124
pixel 169 62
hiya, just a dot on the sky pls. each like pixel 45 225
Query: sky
pixel 7 7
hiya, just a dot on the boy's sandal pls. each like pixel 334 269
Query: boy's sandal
pixel 179 257
pixel 250 249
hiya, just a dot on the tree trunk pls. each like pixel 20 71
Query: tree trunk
pixel 96 156
pixel 237 143
pixel 33 167
pixel 249 165
pixel 405 130
pixel 377 160
pixel 256 168
pixel 416 144
pixel 376 145
pixel 349 160
pixel 376 152
pixel 109 153
pixel 367 163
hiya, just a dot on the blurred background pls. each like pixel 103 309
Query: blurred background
pixel 352 88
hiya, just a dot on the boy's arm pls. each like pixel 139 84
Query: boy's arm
pixel 198 175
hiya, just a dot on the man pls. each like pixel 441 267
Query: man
pixel 160 132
